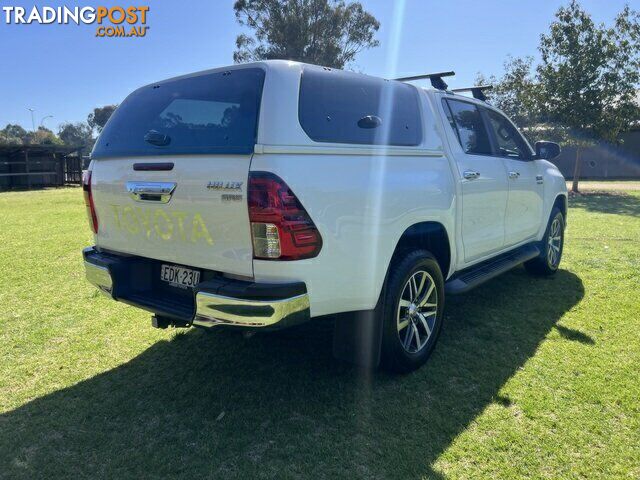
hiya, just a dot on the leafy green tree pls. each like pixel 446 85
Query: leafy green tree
pixel 99 117
pixel 584 89
pixel 42 136
pixel 517 93
pixel 323 32
pixel 12 134
pixel 77 134
pixel 590 74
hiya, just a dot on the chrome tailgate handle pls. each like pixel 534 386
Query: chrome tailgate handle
pixel 159 192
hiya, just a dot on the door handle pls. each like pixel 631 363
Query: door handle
pixel 470 174
pixel 514 175
pixel 151 191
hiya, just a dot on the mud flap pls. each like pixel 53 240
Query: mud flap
pixel 357 338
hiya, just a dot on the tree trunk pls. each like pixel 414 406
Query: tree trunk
pixel 576 171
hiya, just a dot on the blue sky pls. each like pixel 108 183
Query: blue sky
pixel 65 71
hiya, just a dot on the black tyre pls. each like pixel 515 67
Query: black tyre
pixel 412 311
pixel 552 244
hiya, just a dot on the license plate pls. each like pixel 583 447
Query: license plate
pixel 179 276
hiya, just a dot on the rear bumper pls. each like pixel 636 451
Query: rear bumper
pixel 213 309
pixel 99 276
pixel 215 301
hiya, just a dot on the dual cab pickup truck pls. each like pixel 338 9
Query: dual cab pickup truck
pixel 263 195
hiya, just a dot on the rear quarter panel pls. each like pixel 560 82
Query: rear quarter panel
pixel 361 205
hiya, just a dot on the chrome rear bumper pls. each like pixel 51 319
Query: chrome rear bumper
pixel 213 310
pixel 100 277
pixel 214 302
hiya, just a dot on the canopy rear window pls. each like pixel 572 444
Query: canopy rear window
pixel 209 113
pixel 344 107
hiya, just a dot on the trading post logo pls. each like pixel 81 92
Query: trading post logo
pixel 130 21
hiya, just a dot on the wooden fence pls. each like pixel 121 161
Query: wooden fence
pixel 31 166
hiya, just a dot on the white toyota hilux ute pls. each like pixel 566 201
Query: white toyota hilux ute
pixel 263 195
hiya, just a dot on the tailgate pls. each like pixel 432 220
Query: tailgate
pixel 170 169
pixel 204 222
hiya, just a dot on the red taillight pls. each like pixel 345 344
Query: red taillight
pixel 88 201
pixel 280 226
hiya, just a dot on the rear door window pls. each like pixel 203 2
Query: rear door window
pixel 207 113
pixel 469 126
pixel 344 107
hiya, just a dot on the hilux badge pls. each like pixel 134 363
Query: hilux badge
pixel 222 185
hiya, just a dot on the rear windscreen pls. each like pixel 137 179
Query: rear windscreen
pixel 209 113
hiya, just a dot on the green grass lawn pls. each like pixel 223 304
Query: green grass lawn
pixel 531 378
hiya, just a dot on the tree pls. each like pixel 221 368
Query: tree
pixel 12 135
pixel 323 32
pixel 590 74
pixel 517 92
pixel 584 89
pixel 99 117
pixel 42 136
pixel 77 134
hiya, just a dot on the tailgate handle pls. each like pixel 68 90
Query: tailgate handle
pixel 159 192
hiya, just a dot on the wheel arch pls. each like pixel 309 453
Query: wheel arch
pixel 431 236
pixel 561 202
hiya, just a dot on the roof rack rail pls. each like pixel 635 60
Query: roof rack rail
pixel 477 91
pixel 436 79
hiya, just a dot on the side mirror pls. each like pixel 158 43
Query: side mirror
pixel 547 150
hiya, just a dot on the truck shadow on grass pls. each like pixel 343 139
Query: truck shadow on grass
pixel 278 405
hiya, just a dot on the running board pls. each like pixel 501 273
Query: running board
pixel 478 274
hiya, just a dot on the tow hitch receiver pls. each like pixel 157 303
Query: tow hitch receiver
pixel 158 321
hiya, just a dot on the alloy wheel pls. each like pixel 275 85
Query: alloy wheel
pixel 554 243
pixel 417 311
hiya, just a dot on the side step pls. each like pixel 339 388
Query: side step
pixel 476 275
